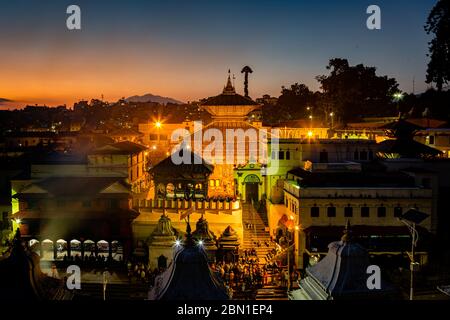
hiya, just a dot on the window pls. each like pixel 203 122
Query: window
pixel 365 212
pixel 426 183
pixel 331 212
pixel 314 212
pixel 211 183
pixel 431 139
pixel 281 155
pixel 398 211
pixel 363 155
pixel 381 212
pixel 114 203
pixel 370 155
pixel 288 155
pixel 323 157
pixel 153 137
pixel 348 212
pixel 356 155
pixel 217 183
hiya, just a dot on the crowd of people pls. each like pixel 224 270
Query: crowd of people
pixel 91 261
pixel 141 272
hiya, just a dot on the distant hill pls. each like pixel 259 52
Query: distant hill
pixel 153 98
pixel 4 103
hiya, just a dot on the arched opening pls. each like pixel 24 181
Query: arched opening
pixel 75 248
pixel 89 248
pixel 162 262
pixel 103 248
pixel 117 250
pixel 47 249
pixel 251 188
pixel 35 246
pixel 61 249
pixel 170 190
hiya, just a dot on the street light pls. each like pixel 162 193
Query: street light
pixel 332 119
pixel 158 124
pixel 410 219
pixel 398 96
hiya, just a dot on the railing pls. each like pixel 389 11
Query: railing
pixel 180 205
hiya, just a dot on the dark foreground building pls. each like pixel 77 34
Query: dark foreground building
pixel 188 277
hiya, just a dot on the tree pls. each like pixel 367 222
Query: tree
pixel 355 91
pixel 246 70
pixel 294 100
pixel 438 23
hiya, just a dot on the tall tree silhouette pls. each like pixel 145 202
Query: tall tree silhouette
pixel 438 23
pixel 357 91
pixel 246 70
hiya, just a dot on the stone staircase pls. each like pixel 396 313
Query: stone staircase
pixel 257 233
pixel 251 237
pixel 270 292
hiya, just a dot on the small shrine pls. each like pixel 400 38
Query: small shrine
pixel 189 277
pixel 161 243
pixel 228 245
pixel 208 238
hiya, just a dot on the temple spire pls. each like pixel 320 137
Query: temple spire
pixel 229 88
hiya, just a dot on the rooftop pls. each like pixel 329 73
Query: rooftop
pixel 123 147
pixel 352 179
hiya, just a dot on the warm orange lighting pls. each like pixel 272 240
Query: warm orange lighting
pixel 154 147
pixel 292 217
pixel 158 124
pixel 297 228
pixel 310 134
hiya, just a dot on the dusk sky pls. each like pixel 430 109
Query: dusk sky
pixel 183 49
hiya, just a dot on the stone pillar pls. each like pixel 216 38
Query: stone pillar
pixel 55 250
pixel 95 249
pixel 110 249
pixel 82 250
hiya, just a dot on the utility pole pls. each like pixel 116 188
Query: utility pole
pixel 411 291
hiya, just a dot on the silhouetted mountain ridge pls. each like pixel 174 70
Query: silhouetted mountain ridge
pixel 153 98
